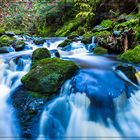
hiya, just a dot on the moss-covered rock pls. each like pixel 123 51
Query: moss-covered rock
pixel 47 75
pixel 19 45
pixel 100 51
pixel 129 24
pixel 65 43
pixel 87 37
pixel 39 54
pixel 2 31
pixel 105 25
pixel 39 41
pixel 6 40
pixel 73 35
pixel 102 34
pixel 131 55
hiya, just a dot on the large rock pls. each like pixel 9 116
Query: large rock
pixel 28 111
pixel 6 40
pixel 47 75
pixel 39 54
pixel 131 55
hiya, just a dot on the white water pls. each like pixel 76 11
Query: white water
pixel 67 116
pixel 10 79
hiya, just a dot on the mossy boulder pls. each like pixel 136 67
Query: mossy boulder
pixel 102 34
pixel 131 55
pixel 128 24
pixel 39 41
pixel 47 75
pixel 87 37
pixel 39 54
pixel 105 25
pixel 65 43
pixel 100 51
pixel 73 35
pixel 19 45
pixel 6 40
pixel 2 31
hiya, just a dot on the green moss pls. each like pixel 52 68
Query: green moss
pixel 73 35
pixel 65 43
pixel 47 75
pixel 2 31
pixel 68 27
pixel 100 51
pixel 102 34
pixel 107 23
pixel 131 23
pixel 39 54
pixel 39 41
pixel 137 29
pixel 81 30
pixel 131 55
pixel 6 40
pixel 19 45
pixel 87 37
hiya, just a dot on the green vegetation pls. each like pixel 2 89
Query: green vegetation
pixel 6 40
pixel 100 51
pixel 131 55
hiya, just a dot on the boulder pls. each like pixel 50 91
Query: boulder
pixel 131 55
pixel 39 54
pixel 28 111
pixel 39 41
pixel 47 75
pixel 19 45
pixel 100 51
pixel 6 40
pixel 65 43
pixel 129 71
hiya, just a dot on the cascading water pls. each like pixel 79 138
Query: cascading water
pixel 93 104
pixel 10 75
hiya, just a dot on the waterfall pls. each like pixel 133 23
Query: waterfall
pixel 92 105
pixel 10 75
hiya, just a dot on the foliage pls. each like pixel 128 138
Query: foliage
pixel 106 23
pixel 68 27
pixel 100 51
pixel 131 55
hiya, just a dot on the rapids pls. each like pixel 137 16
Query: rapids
pixel 92 104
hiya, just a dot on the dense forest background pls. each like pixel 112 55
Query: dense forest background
pixel 67 17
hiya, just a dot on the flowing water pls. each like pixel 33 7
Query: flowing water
pixel 94 104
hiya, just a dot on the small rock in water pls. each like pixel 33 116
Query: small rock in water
pixel 129 71
pixel 39 54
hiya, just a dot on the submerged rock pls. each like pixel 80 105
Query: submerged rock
pixel 47 75
pixel 129 71
pixel 6 49
pixel 39 54
pixel 28 110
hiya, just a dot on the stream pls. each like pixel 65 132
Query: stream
pixel 96 103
